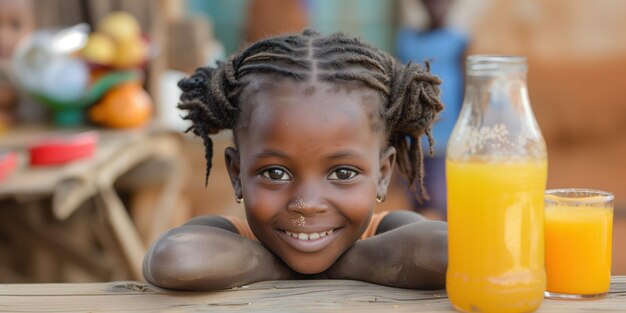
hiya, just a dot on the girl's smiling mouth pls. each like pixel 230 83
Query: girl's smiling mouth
pixel 308 241
pixel 309 236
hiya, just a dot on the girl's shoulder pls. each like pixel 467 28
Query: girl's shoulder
pixel 391 220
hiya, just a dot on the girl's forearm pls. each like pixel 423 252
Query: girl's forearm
pixel 412 256
pixel 208 258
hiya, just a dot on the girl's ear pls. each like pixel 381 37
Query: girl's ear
pixel 387 162
pixel 231 155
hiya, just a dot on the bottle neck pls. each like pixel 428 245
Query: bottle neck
pixel 494 82
pixel 495 64
pixel 496 91
pixel 497 84
pixel 496 120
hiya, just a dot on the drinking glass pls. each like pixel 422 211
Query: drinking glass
pixel 578 230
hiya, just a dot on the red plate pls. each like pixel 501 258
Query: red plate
pixel 8 163
pixel 63 149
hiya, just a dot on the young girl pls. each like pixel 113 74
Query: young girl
pixel 318 123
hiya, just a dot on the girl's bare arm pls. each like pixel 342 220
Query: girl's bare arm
pixel 195 257
pixel 411 256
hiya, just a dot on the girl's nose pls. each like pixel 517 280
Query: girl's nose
pixel 307 206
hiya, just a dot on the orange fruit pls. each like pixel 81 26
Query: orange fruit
pixel 124 106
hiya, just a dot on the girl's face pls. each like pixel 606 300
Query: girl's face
pixel 309 167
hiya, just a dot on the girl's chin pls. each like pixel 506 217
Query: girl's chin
pixel 310 264
pixel 308 267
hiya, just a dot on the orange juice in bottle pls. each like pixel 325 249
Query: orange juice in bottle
pixel 496 171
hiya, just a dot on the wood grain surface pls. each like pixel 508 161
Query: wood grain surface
pixel 270 296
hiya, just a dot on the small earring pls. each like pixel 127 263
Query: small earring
pixel 239 199
pixel 380 199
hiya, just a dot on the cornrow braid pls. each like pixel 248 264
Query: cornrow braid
pixel 211 96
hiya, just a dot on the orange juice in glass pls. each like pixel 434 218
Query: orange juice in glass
pixel 578 230
pixel 495 218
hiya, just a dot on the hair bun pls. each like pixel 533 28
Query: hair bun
pixel 199 79
pixel 310 33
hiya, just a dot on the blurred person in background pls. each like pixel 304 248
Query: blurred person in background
pixel 445 49
pixel 16 22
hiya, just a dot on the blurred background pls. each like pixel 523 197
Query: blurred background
pixel 100 77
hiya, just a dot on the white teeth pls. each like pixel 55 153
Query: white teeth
pixel 311 236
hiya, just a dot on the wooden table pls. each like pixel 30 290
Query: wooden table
pixel 62 190
pixel 272 296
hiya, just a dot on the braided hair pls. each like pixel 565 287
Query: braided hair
pixel 212 96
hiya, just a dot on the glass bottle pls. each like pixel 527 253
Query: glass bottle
pixel 496 172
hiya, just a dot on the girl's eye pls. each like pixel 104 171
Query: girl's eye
pixel 342 174
pixel 276 174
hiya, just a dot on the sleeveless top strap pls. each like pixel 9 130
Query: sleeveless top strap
pixel 242 227
pixel 373 226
